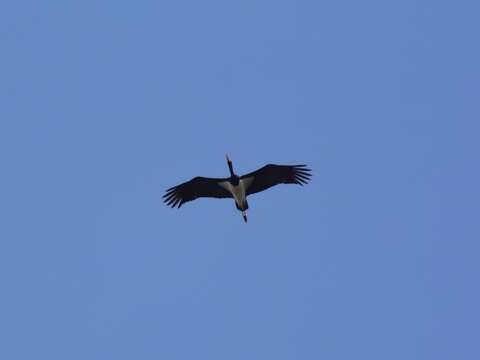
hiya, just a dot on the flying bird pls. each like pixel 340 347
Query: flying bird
pixel 237 187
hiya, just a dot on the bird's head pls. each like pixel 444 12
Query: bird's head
pixel 230 166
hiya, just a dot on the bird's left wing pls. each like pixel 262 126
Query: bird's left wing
pixel 271 175
pixel 195 188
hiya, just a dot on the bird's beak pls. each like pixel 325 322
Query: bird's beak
pixel 244 214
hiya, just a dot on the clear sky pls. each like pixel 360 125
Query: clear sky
pixel 105 104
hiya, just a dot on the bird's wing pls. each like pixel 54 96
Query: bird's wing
pixel 271 175
pixel 195 188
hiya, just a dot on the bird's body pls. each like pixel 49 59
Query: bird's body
pixel 238 191
pixel 237 187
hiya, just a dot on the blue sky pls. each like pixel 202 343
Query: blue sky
pixel 106 104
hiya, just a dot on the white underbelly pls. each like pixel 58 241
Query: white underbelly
pixel 238 192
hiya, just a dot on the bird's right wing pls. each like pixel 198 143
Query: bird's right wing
pixel 195 188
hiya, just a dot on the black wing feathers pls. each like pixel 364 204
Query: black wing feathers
pixel 195 188
pixel 271 175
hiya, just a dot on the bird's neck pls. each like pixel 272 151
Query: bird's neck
pixel 230 167
pixel 234 180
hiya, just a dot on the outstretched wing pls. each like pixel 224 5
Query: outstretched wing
pixel 195 188
pixel 271 175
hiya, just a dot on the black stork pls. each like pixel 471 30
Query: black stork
pixel 237 187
